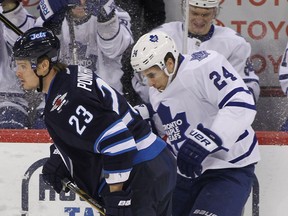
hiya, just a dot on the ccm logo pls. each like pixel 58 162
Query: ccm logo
pixel 124 203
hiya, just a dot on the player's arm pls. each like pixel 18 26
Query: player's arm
pixel 113 29
pixel 220 85
pixel 240 60
pixel 236 105
pixel 54 170
pixel 283 71
pixel 19 16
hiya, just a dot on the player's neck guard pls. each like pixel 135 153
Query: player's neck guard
pixel 205 37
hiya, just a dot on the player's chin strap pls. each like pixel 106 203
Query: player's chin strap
pixel 40 88
pixel 175 69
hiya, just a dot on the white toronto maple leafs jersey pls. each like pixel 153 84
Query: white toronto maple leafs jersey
pixel 19 17
pixel 208 90
pixel 221 39
pixel 283 71
pixel 99 46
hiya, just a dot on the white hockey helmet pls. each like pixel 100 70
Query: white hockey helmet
pixel 151 49
pixel 204 3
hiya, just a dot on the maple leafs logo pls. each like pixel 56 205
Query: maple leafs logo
pixel 174 127
pixel 199 55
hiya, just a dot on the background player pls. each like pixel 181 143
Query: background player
pixel 95 131
pixel 93 34
pixel 206 111
pixel 283 79
pixel 203 35
pixel 16 107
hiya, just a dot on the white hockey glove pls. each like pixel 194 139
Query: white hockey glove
pixel 145 110
pixel 106 11
pixel 200 143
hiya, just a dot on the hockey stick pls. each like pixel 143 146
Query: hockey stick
pixel 67 183
pixel 10 25
pixel 70 20
pixel 185 8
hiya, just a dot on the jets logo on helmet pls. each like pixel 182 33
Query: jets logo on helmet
pixel 204 3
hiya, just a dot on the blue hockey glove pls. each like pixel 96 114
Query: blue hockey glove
pixel 200 143
pixel 54 170
pixel 118 203
pixel 50 8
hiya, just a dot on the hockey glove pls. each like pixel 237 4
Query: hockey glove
pixel 145 110
pixel 50 8
pixel 200 143
pixel 106 10
pixel 118 203
pixel 54 170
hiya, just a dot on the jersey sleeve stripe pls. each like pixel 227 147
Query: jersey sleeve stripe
pixel 127 119
pixel 146 141
pixel 246 154
pixel 283 77
pixel 114 129
pixel 242 104
pixel 242 136
pixel 119 147
pixel 231 94
pixel 116 176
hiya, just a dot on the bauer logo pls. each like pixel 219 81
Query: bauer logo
pixel 38 198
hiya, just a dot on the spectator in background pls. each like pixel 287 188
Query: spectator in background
pixel 145 16
pixel 204 35
pixel 283 79
pixel 16 106
pixel 92 33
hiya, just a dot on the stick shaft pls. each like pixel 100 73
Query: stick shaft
pixel 83 195
pixel 10 24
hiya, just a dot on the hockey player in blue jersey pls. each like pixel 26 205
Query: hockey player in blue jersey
pixel 206 111
pixel 96 133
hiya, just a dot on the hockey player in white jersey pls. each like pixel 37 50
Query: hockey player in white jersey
pixel 14 110
pixel 203 34
pixel 283 79
pixel 206 111
pixel 93 33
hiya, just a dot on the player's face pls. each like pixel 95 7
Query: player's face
pixel 26 75
pixel 156 78
pixel 79 11
pixel 200 19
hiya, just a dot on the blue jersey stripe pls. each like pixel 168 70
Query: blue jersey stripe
pixel 246 154
pixel 230 95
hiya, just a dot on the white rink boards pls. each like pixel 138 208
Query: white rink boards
pixel 23 193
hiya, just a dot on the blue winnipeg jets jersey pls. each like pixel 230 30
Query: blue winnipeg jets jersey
pixel 208 90
pixel 95 129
